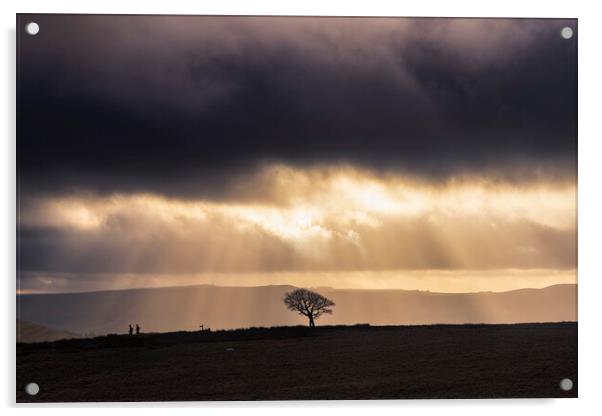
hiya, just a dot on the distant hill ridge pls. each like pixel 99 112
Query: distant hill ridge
pixel 31 332
pixel 222 307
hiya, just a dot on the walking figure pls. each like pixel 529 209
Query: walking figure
pixel 131 329
pixel 137 330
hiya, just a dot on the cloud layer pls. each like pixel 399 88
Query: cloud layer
pixel 244 146
pixel 176 105
pixel 320 219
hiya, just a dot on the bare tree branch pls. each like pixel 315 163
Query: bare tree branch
pixel 308 303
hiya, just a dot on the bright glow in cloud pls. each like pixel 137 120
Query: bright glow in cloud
pixel 307 197
pixel 316 219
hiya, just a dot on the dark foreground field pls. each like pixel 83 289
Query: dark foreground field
pixel 295 363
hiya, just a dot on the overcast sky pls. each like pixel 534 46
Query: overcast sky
pixel 166 146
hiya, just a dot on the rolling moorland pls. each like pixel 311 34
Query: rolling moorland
pixel 218 307
pixel 299 363
pixel 410 344
pixel 30 332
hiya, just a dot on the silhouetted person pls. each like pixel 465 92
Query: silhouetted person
pixel 131 329
pixel 137 330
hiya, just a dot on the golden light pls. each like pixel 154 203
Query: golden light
pixel 342 220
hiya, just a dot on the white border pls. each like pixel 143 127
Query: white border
pixel 590 207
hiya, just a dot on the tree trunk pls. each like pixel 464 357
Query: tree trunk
pixel 311 321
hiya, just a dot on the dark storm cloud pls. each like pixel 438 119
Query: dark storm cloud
pixel 180 105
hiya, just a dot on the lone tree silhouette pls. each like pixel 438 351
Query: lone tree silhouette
pixel 308 303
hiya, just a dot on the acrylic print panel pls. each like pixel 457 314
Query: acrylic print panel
pixel 275 208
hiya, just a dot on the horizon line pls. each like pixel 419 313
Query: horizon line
pixel 26 293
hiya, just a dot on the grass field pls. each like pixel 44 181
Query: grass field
pixel 296 363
